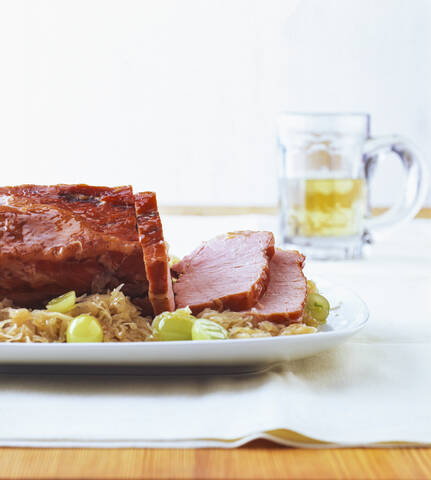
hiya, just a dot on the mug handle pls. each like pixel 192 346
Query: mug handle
pixel 415 187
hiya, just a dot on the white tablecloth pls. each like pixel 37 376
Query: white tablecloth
pixel 373 390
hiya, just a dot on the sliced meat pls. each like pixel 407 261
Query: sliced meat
pixel 68 237
pixel 155 251
pixel 228 272
pixel 284 299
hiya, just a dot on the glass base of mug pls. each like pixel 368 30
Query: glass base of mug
pixel 327 248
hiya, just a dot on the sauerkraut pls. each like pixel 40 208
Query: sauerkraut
pixel 242 326
pixel 122 321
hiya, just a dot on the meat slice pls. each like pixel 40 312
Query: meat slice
pixel 68 237
pixel 155 252
pixel 284 299
pixel 228 272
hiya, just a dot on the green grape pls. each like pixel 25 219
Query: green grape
pixel 83 329
pixel 62 304
pixel 318 307
pixel 204 329
pixel 171 326
pixel 179 312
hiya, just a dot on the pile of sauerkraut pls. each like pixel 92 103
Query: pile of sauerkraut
pixel 119 317
pixel 121 321
pixel 243 326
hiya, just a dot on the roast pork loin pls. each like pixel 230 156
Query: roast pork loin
pixel 228 272
pixel 68 237
pixel 77 237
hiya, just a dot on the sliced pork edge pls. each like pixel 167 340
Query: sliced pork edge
pixel 155 253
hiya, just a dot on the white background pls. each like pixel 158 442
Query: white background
pixel 181 96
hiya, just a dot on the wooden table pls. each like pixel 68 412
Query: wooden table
pixel 259 459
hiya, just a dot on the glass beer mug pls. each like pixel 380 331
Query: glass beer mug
pixel 327 162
